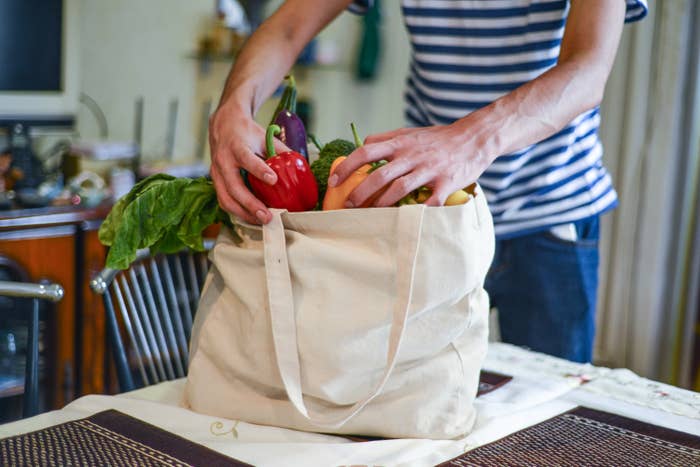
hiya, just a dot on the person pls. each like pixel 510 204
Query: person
pixel 505 92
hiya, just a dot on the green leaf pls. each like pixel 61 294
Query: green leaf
pixel 166 216
pixel 109 226
pixel 168 243
pixel 203 214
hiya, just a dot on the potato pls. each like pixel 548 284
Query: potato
pixel 458 197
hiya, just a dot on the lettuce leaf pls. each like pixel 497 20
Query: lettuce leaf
pixel 163 213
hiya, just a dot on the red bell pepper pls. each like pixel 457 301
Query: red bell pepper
pixel 295 189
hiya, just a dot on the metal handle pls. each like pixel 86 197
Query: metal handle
pixel 53 292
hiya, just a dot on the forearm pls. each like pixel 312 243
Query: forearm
pixel 271 51
pixel 535 110
pixel 259 67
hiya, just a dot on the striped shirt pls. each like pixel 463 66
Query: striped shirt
pixel 468 53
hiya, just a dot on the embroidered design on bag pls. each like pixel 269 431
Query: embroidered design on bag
pixel 218 426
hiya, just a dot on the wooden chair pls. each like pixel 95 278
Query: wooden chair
pixel 154 302
pixel 51 292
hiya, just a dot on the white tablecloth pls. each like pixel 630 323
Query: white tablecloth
pixel 542 387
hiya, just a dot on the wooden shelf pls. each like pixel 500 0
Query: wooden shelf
pixel 226 58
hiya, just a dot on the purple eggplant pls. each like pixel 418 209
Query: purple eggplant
pixel 293 133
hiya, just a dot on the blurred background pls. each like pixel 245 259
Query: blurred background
pixel 116 90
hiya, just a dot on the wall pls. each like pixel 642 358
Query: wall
pixel 132 48
pixel 336 96
pixel 651 131
pixel 374 106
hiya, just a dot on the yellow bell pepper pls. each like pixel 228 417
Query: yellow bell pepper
pixel 337 196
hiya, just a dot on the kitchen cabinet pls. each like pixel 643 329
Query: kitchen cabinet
pixel 61 244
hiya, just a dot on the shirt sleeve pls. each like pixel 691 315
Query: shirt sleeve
pixel 360 7
pixel 636 10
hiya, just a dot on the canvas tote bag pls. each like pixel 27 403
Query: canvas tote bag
pixel 358 321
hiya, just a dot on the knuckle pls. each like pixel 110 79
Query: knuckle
pixel 403 141
pixel 382 176
pixel 403 183
pixel 362 154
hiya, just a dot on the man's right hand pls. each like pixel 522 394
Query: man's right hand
pixel 238 142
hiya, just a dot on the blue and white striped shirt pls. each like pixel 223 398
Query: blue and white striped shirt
pixel 468 53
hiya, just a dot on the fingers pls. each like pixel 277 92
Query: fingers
pixel 280 147
pixel 233 148
pixel 232 193
pixel 440 193
pixel 402 186
pixel 255 165
pixel 250 203
pixel 359 157
pixel 227 202
pixel 385 176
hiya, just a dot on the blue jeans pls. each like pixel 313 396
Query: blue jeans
pixel 545 290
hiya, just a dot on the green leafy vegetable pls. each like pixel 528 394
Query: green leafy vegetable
pixel 163 213
pixel 321 167
pixel 108 228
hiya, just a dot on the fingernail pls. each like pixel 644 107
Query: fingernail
pixel 262 217
pixel 269 179
pixel 349 204
pixel 333 180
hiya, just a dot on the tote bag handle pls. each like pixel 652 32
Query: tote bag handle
pixel 284 329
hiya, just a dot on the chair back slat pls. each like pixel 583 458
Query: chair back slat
pixel 156 297
pixel 178 310
pixel 141 281
pixel 194 280
pixel 180 344
pixel 137 344
pixel 138 309
pixel 161 318
pixel 181 290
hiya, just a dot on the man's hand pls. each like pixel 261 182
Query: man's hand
pixel 238 142
pixel 444 158
pixel 448 158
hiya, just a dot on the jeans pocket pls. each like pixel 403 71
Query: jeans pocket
pixel 586 234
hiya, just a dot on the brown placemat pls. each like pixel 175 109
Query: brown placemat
pixel 107 438
pixel 489 381
pixel 587 437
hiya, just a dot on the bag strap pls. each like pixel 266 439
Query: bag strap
pixel 284 329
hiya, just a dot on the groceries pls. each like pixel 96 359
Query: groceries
pixel 292 131
pixel 295 189
pixel 331 155
pixel 163 213
pixel 166 213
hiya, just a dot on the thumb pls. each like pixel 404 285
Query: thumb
pixel 280 146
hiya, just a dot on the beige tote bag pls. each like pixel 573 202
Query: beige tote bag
pixel 359 321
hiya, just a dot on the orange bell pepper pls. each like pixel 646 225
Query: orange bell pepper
pixel 337 196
